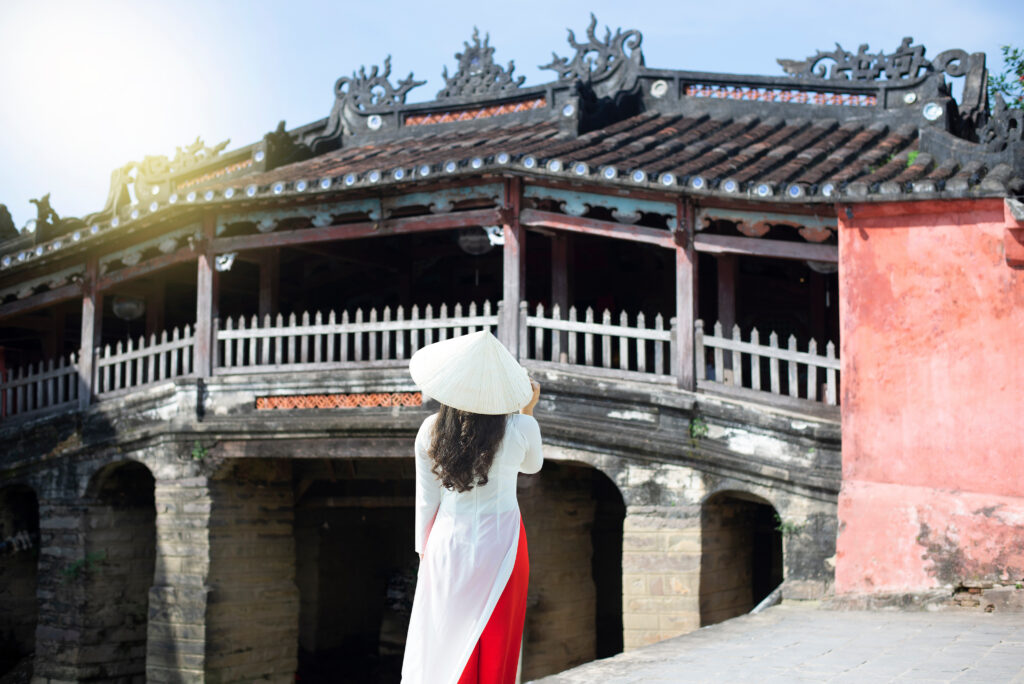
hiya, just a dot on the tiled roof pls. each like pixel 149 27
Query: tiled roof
pixel 798 159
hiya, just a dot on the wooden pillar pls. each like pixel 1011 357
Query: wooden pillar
pixel 92 322
pixel 727 292
pixel 686 288
pixel 817 285
pixel 155 306
pixel 270 279
pixel 513 265
pixel 727 265
pixel 560 282
pixel 206 301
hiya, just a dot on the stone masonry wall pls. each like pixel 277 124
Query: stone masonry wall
pixel 61 597
pixel 558 512
pixel 176 644
pixel 120 548
pixel 660 573
pixel 252 625
pixel 726 565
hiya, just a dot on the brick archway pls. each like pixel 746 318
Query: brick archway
pixel 741 554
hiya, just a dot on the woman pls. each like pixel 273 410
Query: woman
pixel 467 616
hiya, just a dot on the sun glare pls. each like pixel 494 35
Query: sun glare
pixel 94 85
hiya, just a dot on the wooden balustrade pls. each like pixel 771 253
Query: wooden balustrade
pixel 372 339
pixel 39 388
pixel 616 348
pixel 613 346
pixel 755 366
pixel 144 361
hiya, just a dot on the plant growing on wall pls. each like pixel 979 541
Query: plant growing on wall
pixel 1010 83
pixel 82 566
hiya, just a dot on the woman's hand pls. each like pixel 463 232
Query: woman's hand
pixel 528 409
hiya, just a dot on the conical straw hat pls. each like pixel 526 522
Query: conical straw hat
pixel 473 373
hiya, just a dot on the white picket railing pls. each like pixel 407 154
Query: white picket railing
pixel 616 348
pixel 38 388
pixel 383 339
pixel 750 364
pixel 145 361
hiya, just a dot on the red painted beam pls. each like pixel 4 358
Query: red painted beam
pixel 363 229
pixel 620 231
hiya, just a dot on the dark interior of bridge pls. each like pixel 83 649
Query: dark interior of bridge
pixel 741 555
pixel 19 559
pixel 356 569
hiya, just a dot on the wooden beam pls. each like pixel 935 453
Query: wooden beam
pixel 362 229
pixel 92 323
pixel 512 267
pixel 64 293
pixel 777 249
pixel 206 301
pixel 589 226
pixel 145 268
pixel 686 289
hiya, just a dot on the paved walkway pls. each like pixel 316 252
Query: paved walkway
pixel 799 643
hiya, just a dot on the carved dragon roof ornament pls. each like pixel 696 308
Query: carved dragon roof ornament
pixel 605 65
pixel 478 75
pixel 153 171
pixel 358 98
pixel 1004 126
pixel 907 62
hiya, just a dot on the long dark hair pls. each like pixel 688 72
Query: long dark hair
pixel 463 445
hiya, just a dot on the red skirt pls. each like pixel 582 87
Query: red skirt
pixel 495 660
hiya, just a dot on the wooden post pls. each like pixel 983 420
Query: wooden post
pixel 560 280
pixel 270 269
pixel 513 265
pixel 727 264
pixel 92 323
pixel 155 304
pixel 686 285
pixel 817 285
pixel 206 300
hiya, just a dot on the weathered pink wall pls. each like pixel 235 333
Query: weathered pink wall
pixel 932 397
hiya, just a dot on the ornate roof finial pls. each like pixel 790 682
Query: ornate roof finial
pixel 362 103
pixel 1005 125
pixel 906 62
pixel 8 231
pixel 368 91
pixel 603 65
pixel 478 75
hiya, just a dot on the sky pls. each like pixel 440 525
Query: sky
pixel 89 85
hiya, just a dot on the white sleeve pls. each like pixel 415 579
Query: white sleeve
pixel 530 429
pixel 428 487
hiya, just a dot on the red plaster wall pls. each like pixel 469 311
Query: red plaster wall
pixel 932 397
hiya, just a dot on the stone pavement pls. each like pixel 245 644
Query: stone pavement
pixel 801 643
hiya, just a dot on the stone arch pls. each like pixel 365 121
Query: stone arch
pixel 573 513
pixel 19 560
pixel 118 567
pixel 741 553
